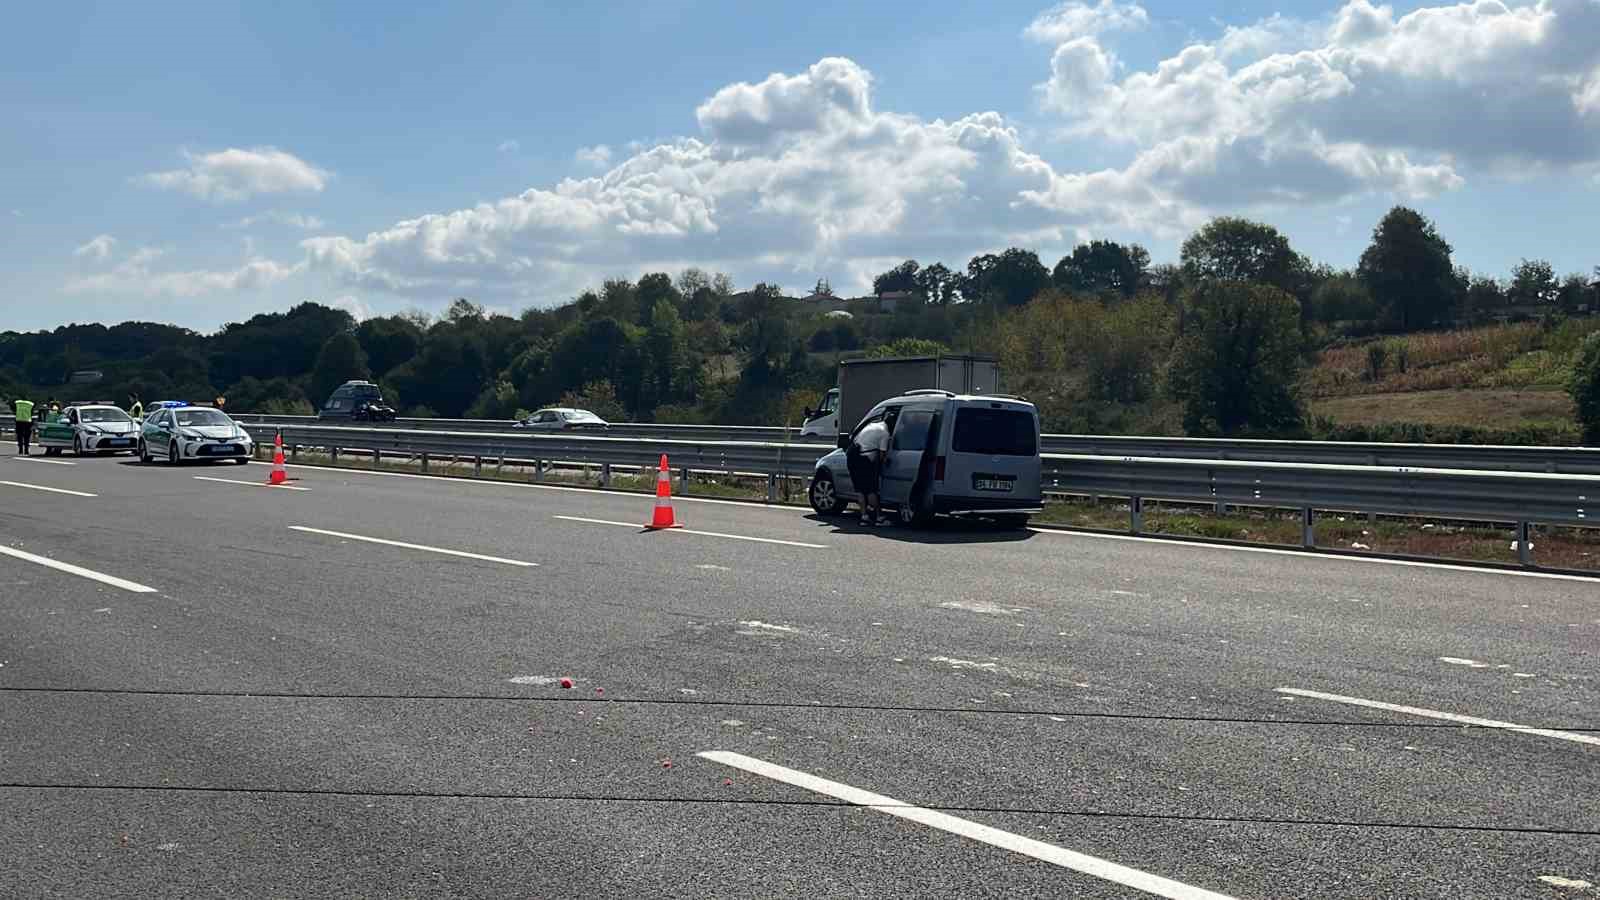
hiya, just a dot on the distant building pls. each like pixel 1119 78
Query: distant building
pixel 888 300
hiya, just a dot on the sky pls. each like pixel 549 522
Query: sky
pixel 197 163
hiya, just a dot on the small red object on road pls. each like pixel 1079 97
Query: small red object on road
pixel 666 764
pixel 726 782
pixel 566 682
pixel 599 690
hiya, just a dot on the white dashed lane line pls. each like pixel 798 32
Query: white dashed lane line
pixel 79 571
pixel 409 546
pixel 1575 737
pixel 53 490
pixel 1005 840
pixel 260 484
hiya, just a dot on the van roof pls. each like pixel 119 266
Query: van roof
pixel 931 394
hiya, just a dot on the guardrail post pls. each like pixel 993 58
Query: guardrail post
pixel 1136 515
pixel 294 451
pixel 499 463
pixel 424 462
pixel 683 480
pixel 477 467
pixel 538 470
pixel 333 455
pixel 605 474
pixel 377 456
pixel 1524 546
pixel 1308 528
pixel 772 488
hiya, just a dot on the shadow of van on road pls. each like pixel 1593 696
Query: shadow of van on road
pixel 943 530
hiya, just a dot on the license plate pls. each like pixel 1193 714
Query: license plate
pixel 991 484
pixel 226 448
pixel 120 442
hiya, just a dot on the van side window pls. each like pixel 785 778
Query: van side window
pixel 911 433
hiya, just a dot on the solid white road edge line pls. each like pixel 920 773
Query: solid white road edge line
pixel 1312 554
pixel 1050 853
pixel 53 462
pixel 374 540
pixel 79 571
pixel 53 490
pixel 263 484
pixel 1448 717
pixel 734 537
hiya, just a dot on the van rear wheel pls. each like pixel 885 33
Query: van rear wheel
pixel 1012 521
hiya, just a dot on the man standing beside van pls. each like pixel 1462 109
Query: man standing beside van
pixel 866 466
pixel 24 410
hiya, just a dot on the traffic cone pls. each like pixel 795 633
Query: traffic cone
pixel 663 517
pixel 278 476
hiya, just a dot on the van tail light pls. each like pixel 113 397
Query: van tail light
pixel 938 468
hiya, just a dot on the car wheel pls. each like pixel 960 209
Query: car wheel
pixel 174 455
pixel 824 496
pixel 143 452
pixel 1012 521
pixel 915 514
pixel 241 461
pixel 77 445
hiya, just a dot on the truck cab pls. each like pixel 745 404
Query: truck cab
pixel 822 423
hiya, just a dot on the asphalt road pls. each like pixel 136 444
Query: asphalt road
pixel 964 712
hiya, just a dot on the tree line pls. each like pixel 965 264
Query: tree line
pixel 1223 335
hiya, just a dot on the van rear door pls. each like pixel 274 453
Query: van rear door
pixel 994 455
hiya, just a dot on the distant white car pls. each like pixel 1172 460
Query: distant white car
pixel 563 419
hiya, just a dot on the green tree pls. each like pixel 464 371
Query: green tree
pixel 341 359
pixel 652 289
pixel 1534 281
pixel 1342 298
pixel 1574 292
pixel 388 341
pixel 1407 270
pixel 1237 364
pixel 1011 278
pixel 1233 249
pixel 447 376
pixel 908 347
pixel 1584 387
pixel 1102 267
pixel 598 397
pixel 900 278
pixel 667 355
pixel 938 285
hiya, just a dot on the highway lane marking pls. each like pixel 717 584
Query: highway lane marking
pixel 1593 740
pixel 736 537
pixel 409 546
pixel 79 571
pixel 1050 853
pixel 1309 554
pixel 281 487
pixel 40 459
pixel 53 490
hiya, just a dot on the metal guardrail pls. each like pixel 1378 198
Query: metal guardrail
pixel 1566 460
pixel 1569 460
pixel 1524 498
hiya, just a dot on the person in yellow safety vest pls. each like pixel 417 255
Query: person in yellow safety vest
pixel 24 410
pixel 135 408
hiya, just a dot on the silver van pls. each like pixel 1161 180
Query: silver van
pixel 951 454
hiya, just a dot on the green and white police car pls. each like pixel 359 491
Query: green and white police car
pixel 179 433
pixel 87 428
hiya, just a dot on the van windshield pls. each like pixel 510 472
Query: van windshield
pixel 994 432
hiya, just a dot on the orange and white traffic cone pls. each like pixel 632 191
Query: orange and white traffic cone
pixel 278 476
pixel 663 517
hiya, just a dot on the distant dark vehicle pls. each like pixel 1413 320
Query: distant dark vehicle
pixel 563 419
pixel 357 401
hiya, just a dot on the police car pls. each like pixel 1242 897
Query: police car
pixel 87 428
pixel 180 432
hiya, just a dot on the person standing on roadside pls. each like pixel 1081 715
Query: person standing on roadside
pixel 24 411
pixel 865 460
pixel 135 407
pixel 221 401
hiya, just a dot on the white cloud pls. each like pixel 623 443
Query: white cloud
pixel 792 175
pixel 291 220
pixel 1069 21
pixel 598 156
pixel 134 276
pixel 235 174
pixel 510 146
pixel 1285 111
pixel 353 305
pixel 99 247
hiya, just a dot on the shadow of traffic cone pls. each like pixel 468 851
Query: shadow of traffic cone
pixel 278 476
pixel 663 517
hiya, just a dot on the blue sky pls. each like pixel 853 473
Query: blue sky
pixel 198 163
